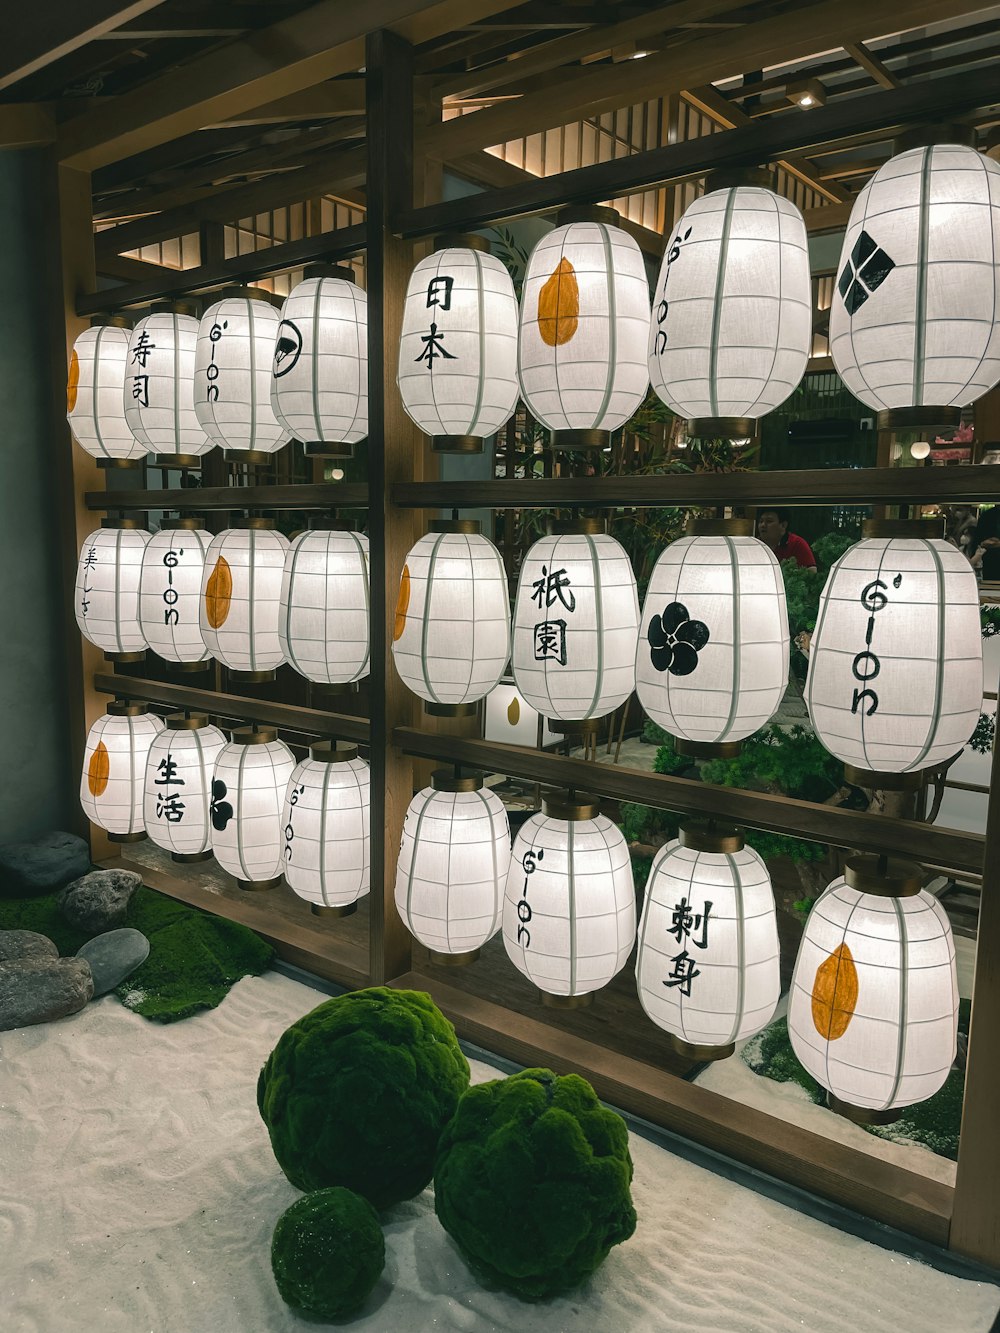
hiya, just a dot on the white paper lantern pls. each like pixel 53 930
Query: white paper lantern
pixel 114 770
pixel 451 636
pixel 914 317
pixel 569 907
pixel 731 329
pixel 895 680
pixel 248 791
pixel 452 867
pixel 94 406
pixel 170 583
pixel 319 384
pixel 158 397
pixel 232 374
pixel 873 1006
pixel 576 624
pixel 712 661
pixel 511 720
pixel 179 772
pixel 325 824
pixel 584 326
pixel 708 962
pixel 241 597
pixel 457 372
pixel 324 615
pixel 106 594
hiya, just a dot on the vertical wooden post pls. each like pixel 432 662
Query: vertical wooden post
pixel 975 1221
pixel 394 446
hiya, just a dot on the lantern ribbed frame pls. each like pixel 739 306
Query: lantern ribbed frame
pixel 170 584
pixel 319 384
pixel 597 639
pixel 877 1028
pixel 578 928
pixel 325 607
pixel 451 638
pixel 469 388
pixel 326 831
pixel 737 983
pixel 95 407
pixel 161 370
pixel 731 588
pixel 731 328
pixel 112 786
pixel 584 324
pixel 908 659
pixel 245 638
pixel 914 315
pixel 183 786
pixel 106 593
pixel 232 375
pixel 250 843
pixel 452 869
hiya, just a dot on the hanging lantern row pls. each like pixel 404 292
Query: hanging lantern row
pixel 244 800
pixel 247 377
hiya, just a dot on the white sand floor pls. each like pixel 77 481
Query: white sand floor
pixel 138 1193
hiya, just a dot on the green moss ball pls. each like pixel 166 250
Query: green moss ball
pixel 327 1253
pixel 357 1093
pixel 532 1182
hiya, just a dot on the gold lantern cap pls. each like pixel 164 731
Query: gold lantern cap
pixel 925 528
pixel 189 523
pixel 706 836
pixel 461 240
pixel 884 877
pixel 333 752
pixel 127 708
pixel 128 524
pixel 187 721
pixel 254 735
pixel 445 779
pixel 319 270
pixel 731 178
pixel 573 807
pixel 575 527
pixel 471 526
pixel 719 527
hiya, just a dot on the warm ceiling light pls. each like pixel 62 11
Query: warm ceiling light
pixel 806 93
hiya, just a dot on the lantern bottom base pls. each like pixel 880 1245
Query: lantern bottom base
pixel 730 428
pixel 177 460
pixel 251 677
pixel 259 885
pixel 707 749
pixel 141 836
pixel 189 666
pixel 333 909
pixel 327 449
pixel 575 726
pixel 452 959
pixel 551 1001
pixel 864 777
pixel 334 687
pixel 188 858
pixel 691 1051
pixel 456 444
pixel 120 462
pixel 908 418
pixel 451 710
pixel 863 1115
pixel 126 657
pixel 257 457
pixel 575 440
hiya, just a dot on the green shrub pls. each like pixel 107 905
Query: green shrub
pixel 357 1093
pixel 639 823
pixel 668 760
pixel 828 550
pixel 789 759
pixel 327 1253
pixel 532 1182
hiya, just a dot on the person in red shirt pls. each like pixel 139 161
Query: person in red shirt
pixel 772 529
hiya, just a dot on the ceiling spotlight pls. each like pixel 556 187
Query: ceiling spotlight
pixel 806 93
pixel 919 449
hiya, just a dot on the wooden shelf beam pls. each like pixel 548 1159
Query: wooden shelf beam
pixel 196 499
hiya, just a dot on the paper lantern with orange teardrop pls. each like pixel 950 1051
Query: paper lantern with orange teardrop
pixel 114 767
pixel 583 328
pixel 241 597
pixel 106 594
pixel 95 406
pixel 873 1006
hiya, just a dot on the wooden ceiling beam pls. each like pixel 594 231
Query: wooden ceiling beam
pixel 27 124
pixel 871 64
pixel 309 47
pixel 337 97
pixel 788 37
pixel 43 33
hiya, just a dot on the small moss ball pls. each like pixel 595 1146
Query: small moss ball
pixel 357 1092
pixel 532 1182
pixel 327 1253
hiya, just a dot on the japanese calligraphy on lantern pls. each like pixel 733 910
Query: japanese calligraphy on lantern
pixel 141 352
pixel 663 305
pixel 169 805
pixel 550 635
pixel 438 295
pixel 866 665
pixel 86 565
pixel 293 800
pixel 688 928
pixel 529 864
pixel 212 369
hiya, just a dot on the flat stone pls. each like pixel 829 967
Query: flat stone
pixel 25 944
pixel 99 901
pixel 114 956
pixel 31 868
pixel 38 990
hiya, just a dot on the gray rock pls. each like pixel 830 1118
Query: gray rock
pixel 37 990
pixel 25 944
pixel 42 866
pixel 99 901
pixel 112 957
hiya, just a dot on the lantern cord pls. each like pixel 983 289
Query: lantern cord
pixel 882 865
pixel 454 515
pixel 458 770
pixel 570 795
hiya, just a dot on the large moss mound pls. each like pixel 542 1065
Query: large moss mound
pixel 194 959
pixel 532 1182
pixel 357 1093
pixel 327 1253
